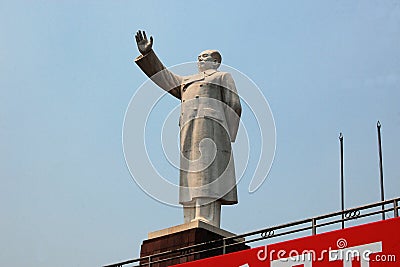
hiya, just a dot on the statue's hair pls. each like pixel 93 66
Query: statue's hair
pixel 215 54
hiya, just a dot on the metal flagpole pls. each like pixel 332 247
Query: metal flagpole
pixel 342 177
pixel 378 126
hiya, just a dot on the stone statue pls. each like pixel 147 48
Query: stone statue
pixel 209 121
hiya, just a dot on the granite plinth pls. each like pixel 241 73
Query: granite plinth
pixel 175 238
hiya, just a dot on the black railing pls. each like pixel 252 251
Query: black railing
pixel 310 224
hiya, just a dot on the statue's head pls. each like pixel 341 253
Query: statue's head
pixel 209 59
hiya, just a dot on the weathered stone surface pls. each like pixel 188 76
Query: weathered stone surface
pixel 209 121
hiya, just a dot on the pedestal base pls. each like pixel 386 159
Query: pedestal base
pixel 183 236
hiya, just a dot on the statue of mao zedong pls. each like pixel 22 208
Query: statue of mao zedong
pixel 209 121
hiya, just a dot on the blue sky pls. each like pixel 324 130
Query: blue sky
pixel 67 75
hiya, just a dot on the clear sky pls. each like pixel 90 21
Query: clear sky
pixel 67 76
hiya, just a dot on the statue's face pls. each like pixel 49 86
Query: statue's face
pixel 205 61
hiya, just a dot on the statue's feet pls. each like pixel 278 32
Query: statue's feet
pixel 203 219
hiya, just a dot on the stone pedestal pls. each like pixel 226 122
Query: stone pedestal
pixel 185 235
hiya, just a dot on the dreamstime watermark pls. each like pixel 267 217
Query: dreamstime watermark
pixel 341 243
pixel 342 253
pixel 154 125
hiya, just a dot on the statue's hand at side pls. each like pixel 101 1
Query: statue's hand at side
pixel 143 44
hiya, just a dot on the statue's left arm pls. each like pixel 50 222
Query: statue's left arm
pixel 233 109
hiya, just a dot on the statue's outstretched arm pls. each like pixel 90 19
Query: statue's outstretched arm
pixel 151 65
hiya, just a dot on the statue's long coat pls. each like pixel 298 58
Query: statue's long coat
pixel 210 111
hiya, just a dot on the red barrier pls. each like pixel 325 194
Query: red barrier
pixel 370 245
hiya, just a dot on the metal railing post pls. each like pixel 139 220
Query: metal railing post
pixel 149 260
pixel 396 208
pixel 313 225
pixel 223 246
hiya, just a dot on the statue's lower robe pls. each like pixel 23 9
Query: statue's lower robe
pixel 207 167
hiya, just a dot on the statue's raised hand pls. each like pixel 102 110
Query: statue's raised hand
pixel 143 44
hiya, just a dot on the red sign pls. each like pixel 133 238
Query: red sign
pixel 369 245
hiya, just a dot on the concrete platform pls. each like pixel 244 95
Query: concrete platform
pixel 188 226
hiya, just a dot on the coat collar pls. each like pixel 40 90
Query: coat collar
pixel 193 78
pixel 198 77
pixel 210 72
